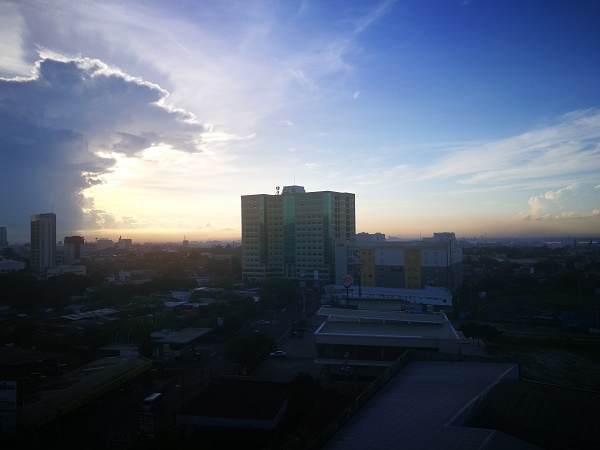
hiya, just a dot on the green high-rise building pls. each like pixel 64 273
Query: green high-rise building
pixel 291 234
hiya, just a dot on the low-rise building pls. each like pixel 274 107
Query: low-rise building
pixel 435 261
pixel 361 341
pixel 9 265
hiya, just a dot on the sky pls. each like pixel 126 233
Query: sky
pixel 150 119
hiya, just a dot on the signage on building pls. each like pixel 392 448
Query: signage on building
pixel 357 262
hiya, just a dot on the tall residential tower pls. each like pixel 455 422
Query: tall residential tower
pixel 43 242
pixel 291 235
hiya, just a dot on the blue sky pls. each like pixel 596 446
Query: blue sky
pixel 149 119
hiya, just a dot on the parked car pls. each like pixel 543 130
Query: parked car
pixel 278 354
pixel 263 322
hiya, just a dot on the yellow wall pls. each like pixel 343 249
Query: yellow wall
pixel 412 266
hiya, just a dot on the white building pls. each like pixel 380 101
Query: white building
pixel 8 265
pixel 43 242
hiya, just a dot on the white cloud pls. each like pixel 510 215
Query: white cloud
pixel 65 125
pixel 576 201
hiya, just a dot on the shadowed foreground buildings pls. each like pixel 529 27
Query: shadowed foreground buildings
pixel 291 235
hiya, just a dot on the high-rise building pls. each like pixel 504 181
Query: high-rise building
pixel 73 249
pixel 291 235
pixel 43 242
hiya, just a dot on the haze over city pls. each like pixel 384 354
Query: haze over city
pixel 150 119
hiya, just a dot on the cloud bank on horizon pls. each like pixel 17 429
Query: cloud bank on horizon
pixel 61 128
pixel 152 119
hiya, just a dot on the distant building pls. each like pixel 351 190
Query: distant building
pixel 8 265
pixel 73 249
pixel 290 235
pixel 136 275
pixel 3 241
pixel 104 243
pixel 124 243
pixel 62 269
pixel 368 237
pixel 43 242
pixel 435 261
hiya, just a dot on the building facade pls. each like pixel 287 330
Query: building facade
pixel 43 242
pixel 435 261
pixel 291 235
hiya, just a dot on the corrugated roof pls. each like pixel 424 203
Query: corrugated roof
pixel 553 417
pixel 84 385
pixel 418 409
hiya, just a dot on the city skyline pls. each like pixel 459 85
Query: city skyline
pixel 150 120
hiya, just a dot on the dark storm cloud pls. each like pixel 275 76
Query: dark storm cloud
pixel 54 124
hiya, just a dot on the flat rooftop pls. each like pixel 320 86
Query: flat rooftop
pixel 415 330
pixel 385 324
pixel 185 336
pixel 422 407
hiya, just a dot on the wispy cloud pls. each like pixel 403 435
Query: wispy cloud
pixel 373 16
pixel 566 147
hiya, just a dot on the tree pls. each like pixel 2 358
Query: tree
pixel 276 293
pixel 248 350
pixel 478 331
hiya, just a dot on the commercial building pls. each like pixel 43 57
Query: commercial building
pixel 362 340
pixel 291 234
pixel 435 262
pixel 43 242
